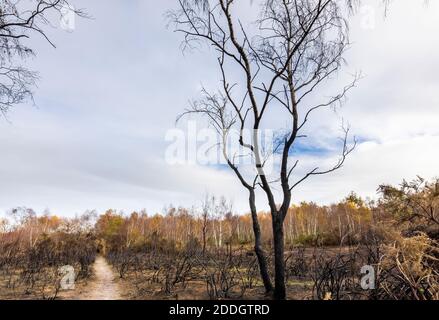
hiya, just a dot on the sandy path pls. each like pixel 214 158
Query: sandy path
pixel 102 286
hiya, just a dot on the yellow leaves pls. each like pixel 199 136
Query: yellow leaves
pixel 351 205
pixel 412 262
pixel 328 296
pixel 109 224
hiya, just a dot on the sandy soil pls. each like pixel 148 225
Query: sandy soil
pixel 102 286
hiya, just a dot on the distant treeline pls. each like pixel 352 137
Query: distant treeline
pixel 411 206
pixel 397 235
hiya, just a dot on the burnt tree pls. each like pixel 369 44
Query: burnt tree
pixel 283 62
pixel 19 21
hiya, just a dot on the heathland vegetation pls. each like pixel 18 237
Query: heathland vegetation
pixel 207 251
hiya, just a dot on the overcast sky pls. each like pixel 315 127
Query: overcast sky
pixel 112 89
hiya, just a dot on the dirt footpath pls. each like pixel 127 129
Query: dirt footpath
pixel 101 287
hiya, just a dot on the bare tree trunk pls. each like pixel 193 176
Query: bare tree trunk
pixel 204 233
pixel 215 238
pixel 220 234
pixel 279 261
pixel 262 260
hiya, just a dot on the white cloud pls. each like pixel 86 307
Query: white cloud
pixel 373 164
pixel 111 90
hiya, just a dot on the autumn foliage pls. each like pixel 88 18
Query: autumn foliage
pixel 208 251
